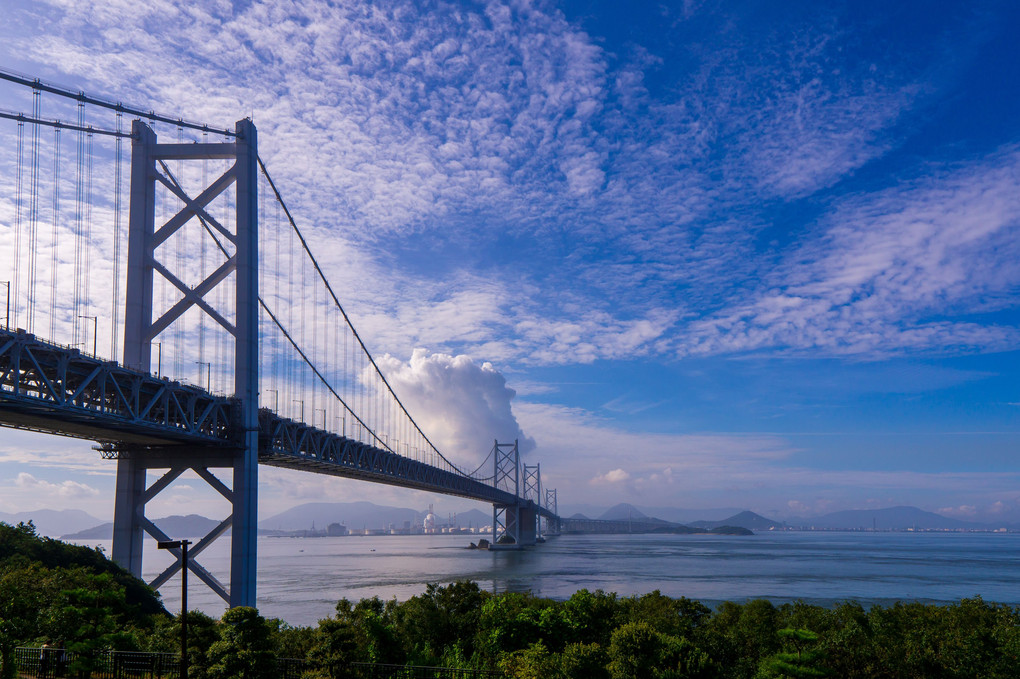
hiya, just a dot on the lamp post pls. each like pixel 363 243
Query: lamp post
pixel 208 373
pixel 7 318
pixel 95 330
pixel 183 546
pixel 159 360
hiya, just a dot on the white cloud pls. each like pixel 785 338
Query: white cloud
pixel 461 405
pixel 961 512
pixel 65 489
pixel 888 271
pixel 611 477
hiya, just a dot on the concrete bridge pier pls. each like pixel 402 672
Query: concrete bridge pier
pixel 514 526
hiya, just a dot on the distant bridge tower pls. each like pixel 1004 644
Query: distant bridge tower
pixel 240 249
pixel 552 525
pixel 533 490
pixel 513 525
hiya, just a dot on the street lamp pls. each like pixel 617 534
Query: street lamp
pixel 183 546
pixel 95 330
pixel 7 318
pixel 208 373
pixel 159 360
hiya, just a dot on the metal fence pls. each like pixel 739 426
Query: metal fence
pixel 55 663
pixel 370 671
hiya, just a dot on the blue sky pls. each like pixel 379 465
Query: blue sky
pixel 725 253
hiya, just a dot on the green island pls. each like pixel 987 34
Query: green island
pixel 74 597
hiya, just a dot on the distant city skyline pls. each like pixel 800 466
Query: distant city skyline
pixel 698 255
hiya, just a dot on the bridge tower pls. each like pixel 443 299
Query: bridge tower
pixel 149 165
pixel 513 525
pixel 533 491
pixel 552 526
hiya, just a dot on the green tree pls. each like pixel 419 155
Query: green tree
pixel 244 649
pixel 335 646
pixel 802 662
pixel 89 618
pixel 739 636
pixel 21 599
pixel 584 661
pixel 850 645
pixel 165 637
pixel 439 625
pixel 533 662
pixel 681 617
pixel 507 623
pixel 591 617
pixel 373 621
pixel 635 652
pixel 21 543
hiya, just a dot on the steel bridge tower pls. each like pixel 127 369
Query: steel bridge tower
pixel 533 490
pixel 148 165
pixel 513 525
pixel 552 525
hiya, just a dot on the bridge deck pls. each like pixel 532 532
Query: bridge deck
pixel 58 390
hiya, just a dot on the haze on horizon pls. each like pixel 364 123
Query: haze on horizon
pixel 704 254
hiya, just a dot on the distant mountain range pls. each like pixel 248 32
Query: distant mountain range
pixel 190 526
pixel 745 519
pixel 890 518
pixel 53 522
pixel 357 515
pixel 78 525
pixel 627 512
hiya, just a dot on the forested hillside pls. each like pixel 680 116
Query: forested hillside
pixel 75 597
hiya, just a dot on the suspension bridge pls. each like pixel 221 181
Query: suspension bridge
pixel 165 244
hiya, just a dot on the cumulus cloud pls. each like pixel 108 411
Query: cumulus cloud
pixel 64 489
pixel 462 406
pixel 614 476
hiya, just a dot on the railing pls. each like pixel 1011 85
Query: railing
pixel 49 663
pixel 370 671
pixel 54 663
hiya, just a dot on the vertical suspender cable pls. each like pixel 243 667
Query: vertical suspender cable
pixel 33 224
pixel 79 229
pixel 179 270
pixel 12 322
pixel 276 294
pixel 54 297
pixel 202 259
pixel 87 241
pixel 115 288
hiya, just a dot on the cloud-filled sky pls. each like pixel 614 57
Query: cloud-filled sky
pixel 693 254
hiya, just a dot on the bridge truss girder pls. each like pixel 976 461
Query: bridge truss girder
pixel 54 389
pixel 286 443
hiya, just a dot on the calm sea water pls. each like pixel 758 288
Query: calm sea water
pixel 300 580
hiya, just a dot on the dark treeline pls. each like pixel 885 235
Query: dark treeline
pixel 50 592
